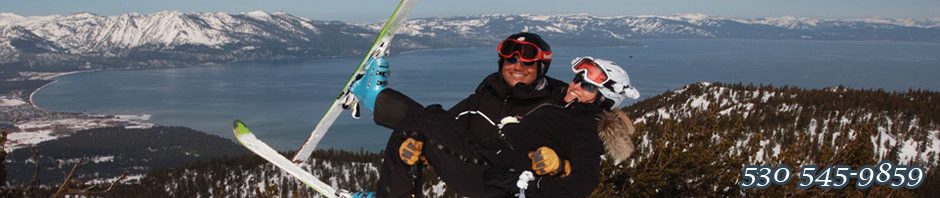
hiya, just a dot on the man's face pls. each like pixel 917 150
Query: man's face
pixel 515 73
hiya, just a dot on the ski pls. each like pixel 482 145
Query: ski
pixel 248 139
pixel 379 49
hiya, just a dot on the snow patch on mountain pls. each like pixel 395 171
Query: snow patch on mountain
pixel 8 102
pixel 90 33
pixel 789 22
pixel 258 14
pixel 693 18
pixel 37 131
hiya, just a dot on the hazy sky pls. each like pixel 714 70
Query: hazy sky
pixel 377 10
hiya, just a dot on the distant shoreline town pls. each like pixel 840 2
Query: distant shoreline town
pixel 28 124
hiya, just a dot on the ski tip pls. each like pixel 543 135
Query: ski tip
pixel 239 127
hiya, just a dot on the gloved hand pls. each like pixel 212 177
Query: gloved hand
pixel 410 151
pixel 546 162
pixel 368 85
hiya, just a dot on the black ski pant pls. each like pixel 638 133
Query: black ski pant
pixel 445 148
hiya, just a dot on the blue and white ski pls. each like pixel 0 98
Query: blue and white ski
pixel 345 99
pixel 248 139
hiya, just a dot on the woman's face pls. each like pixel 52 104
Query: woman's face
pixel 576 92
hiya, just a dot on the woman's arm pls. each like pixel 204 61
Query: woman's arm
pixel 585 162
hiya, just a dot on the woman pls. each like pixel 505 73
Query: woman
pixel 559 141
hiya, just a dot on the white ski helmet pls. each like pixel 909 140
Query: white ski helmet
pixel 617 87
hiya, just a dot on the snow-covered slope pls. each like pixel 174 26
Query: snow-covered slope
pixel 173 38
pixel 86 32
pixel 897 126
pixel 16 39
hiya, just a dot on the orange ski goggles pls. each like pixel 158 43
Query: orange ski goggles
pixel 526 51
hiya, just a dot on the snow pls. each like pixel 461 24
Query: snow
pixel 37 131
pixel 86 32
pixel 904 22
pixel 94 159
pixel 700 102
pixel 813 124
pixel 776 150
pixel 910 149
pixel 645 142
pixel 537 17
pixel 133 117
pixel 788 22
pixel 760 156
pixel 9 18
pixel 18 140
pixel 127 180
pixel 9 102
pixel 260 15
pixel 693 18
pixel 131 178
pixel 882 142
pixel 100 159
pixel 551 29
pixel 767 96
pixel 663 114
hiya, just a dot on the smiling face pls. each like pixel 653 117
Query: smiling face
pixel 515 73
pixel 576 92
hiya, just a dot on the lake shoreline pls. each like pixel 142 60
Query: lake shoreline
pixel 53 81
pixel 284 101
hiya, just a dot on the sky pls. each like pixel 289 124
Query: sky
pixel 362 11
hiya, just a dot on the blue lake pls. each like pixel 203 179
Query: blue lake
pixel 282 102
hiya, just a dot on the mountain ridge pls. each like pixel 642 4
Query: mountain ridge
pixel 173 38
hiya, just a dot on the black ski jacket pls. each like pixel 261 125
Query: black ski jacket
pixel 571 131
pixel 495 100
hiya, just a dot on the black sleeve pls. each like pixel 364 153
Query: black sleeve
pixel 462 106
pixel 585 173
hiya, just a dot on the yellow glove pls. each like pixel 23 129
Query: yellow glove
pixel 410 151
pixel 546 162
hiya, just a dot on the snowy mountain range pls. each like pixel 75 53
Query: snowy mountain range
pixel 172 38
pixel 176 38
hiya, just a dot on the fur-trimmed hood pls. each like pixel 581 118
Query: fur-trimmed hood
pixel 616 131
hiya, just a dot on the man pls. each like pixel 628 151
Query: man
pixel 560 144
pixel 519 86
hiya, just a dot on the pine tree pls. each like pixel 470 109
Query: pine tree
pixel 3 157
